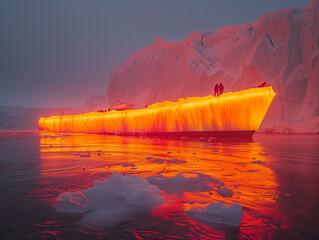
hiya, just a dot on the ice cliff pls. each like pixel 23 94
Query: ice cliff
pixel 281 48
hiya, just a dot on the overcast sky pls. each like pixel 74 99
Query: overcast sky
pixel 57 53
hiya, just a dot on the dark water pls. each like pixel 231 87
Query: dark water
pixel 274 177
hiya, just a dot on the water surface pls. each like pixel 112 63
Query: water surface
pixel 274 177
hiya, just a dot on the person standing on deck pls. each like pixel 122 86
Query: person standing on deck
pixel 216 90
pixel 221 89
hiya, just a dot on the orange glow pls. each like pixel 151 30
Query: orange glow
pixel 230 163
pixel 238 111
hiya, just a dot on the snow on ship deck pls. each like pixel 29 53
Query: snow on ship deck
pixel 233 112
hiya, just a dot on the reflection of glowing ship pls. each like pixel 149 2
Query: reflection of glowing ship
pixel 237 114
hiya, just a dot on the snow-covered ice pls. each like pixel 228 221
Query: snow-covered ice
pixel 280 48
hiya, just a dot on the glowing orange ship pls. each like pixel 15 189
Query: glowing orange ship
pixel 233 114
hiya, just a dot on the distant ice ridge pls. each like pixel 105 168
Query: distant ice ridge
pixel 111 201
pixel 219 213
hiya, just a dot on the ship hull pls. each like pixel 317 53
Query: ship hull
pixel 237 114
pixel 198 134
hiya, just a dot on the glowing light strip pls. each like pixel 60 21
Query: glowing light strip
pixel 243 110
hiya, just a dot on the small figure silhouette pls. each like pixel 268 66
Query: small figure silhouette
pixel 216 90
pixel 221 89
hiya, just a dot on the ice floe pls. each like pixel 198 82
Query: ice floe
pixel 112 200
pixel 252 170
pixel 219 213
pixel 128 165
pixel 165 160
pixel 225 192
pixel 258 162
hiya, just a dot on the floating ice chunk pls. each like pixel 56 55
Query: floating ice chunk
pixel 225 192
pixel 163 160
pixel 258 162
pixel 88 154
pixel 128 165
pixel 179 183
pixel 264 154
pixel 111 201
pixel 219 213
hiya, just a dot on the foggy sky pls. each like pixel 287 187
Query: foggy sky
pixel 57 53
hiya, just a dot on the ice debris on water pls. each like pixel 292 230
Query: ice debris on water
pixel 258 162
pixel 263 154
pixel 88 154
pixel 252 170
pixel 128 165
pixel 165 160
pixel 219 213
pixel 112 200
pixel 225 192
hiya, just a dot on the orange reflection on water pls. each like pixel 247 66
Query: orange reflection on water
pixel 85 158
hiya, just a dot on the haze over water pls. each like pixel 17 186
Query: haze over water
pixel 274 177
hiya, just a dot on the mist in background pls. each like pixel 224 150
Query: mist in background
pixel 59 53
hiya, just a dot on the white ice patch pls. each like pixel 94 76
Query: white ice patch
pixel 112 200
pixel 179 183
pixel 219 213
